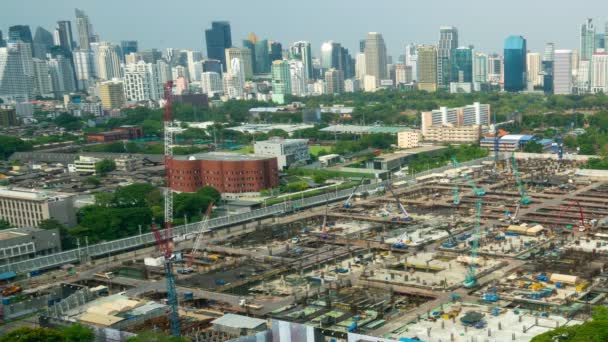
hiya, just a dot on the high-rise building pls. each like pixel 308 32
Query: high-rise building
pixel 362 46
pixel 276 51
pixel 281 81
pixel 534 69
pixel 334 81
pixel 112 94
pixel 63 35
pixel 211 83
pixel 2 43
pixel 20 32
pixel 43 85
pixel 259 53
pixel 599 79
pixel 299 79
pixel 212 65
pixel 302 50
pixel 83 63
pixel 587 39
pixel 496 69
pixel 62 75
pixel 411 59
pixel 582 80
pixel 218 38
pixel 244 55
pixel 85 29
pixel 14 85
pixel 330 55
pixel 515 78
pixel 25 54
pixel 108 61
pixel 375 57
pixel 448 41
pixel 128 46
pixel 195 66
pixel 462 65
pixel 547 65
pixel 480 70
pixel 403 74
pixel 600 40
pixel 234 81
pixel 427 68
pixel 142 82
pixel 562 72
pixel 360 66
pixel 43 41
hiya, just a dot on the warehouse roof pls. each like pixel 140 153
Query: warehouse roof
pixel 222 156
pixel 355 129
pixel 238 321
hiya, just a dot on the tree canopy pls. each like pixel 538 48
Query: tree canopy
pixel 73 333
pixel 595 330
pixel 10 145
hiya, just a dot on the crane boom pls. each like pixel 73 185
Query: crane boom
pixel 199 237
pixel 470 280
pixel 164 244
pixel 478 191
pixel 347 203
pixel 524 198
pixel 406 215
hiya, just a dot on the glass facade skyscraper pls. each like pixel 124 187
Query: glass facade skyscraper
pixel 218 38
pixel 515 63
pixel 587 40
pixel 448 41
pixel 462 65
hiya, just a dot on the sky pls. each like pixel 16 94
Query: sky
pixel 181 23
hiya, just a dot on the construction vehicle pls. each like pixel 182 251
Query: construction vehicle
pixel 470 280
pixel 11 290
pixel 348 204
pixel 513 218
pixel 402 241
pixel 451 241
pixel 582 223
pixel 456 200
pixel 478 191
pixel 406 216
pixel 199 237
pixel 490 295
pixel 324 227
pixel 524 198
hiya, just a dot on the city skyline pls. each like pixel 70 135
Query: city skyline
pixel 476 27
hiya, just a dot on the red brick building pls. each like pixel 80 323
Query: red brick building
pixel 118 133
pixel 229 173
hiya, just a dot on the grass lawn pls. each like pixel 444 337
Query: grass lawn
pixel 315 149
pixel 244 150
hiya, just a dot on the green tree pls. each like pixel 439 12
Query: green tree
pixel 104 166
pixel 533 147
pixel 276 132
pixel 4 224
pixel 78 333
pixel 10 145
pixel 67 241
pixel 94 181
pixel 69 122
pixel 27 334
pixel 149 336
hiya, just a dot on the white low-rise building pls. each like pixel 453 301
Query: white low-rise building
pixel 287 151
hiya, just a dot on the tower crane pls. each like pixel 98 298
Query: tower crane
pixel 478 191
pixel 470 280
pixel 199 237
pixel 166 244
pixel 524 198
pixel 456 191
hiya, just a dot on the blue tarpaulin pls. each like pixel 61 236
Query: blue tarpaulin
pixel 7 275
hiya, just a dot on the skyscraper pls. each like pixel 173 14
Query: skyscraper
pixel 302 50
pixel 43 41
pixel 360 66
pixel 411 60
pixel 330 55
pixel 85 29
pixel 142 83
pixel 299 79
pixel 234 81
pixel 245 58
pixel 448 41
pixel 128 46
pixel 83 64
pixel 112 94
pixel 43 85
pixel 211 83
pixel 515 63
pixel 281 81
pixel 362 46
pixel 480 70
pixel 1 39
pixel 562 72
pixel 534 69
pixel 20 32
pixel 63 35
pixel 259 53
pixel 427 68
pixel 13 83
pixel 375 57
pixel 218 38
pixel 334 81
pixel 276 51
pixel 462 65
pixel 599 79
pixel 587 39
pixel 62 75
pixel 108 61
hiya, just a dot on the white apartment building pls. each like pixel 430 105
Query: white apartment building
pixel 287 151
pixel 211 83
pixel 599 73
pixel 24 208
pixel 409 138
pixel 108 61
pixel 453 134
pixel 562 72
pixel 142 82
pixel 475 114
pixel 299 80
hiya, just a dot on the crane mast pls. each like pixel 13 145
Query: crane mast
pixel 524 198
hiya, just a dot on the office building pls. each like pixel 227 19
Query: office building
pixel 403 74
pixel 375 57
pixel 260 54
pixel 25 208
pixel 496 69
pixel 142 82
pixel 299 79
pixel 244 55
pixel 63 36
pixel 448 41
pixel 281 81
pixel 20 244
pixel 599 79
pixel 600 40
pixel 43 85
pixel 62 75
pixel 85 30
pixel 151 55
pixel 587 39
pixel 547 65
pixel 211 83
pixel 427 68
pixel 84 64
pixel 411 60
pixel 562 72
pixel 409 138
pixel 43 41
pixel 108 61
pixel 475 114
pixel 275 51
pixel 302 51
pixel 287 151
pixel 330 55
pixel 112 94
pixel 128 46
pixel 234 81
pixel 360 66
pixel 233 175
pixel 480 70
pixel 21 33
pixel 218 38
pixel 515 78
pixel 334 81
pixel 212 65
pixel 534 69
pixel 8 117
pixel 582 80
pixel 462 65
pixel 14 85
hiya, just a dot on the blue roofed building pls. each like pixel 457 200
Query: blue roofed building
pixel 514 142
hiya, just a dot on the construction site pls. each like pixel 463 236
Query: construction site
pixel 499 250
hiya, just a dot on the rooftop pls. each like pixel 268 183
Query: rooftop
pixel 30 194
pixel 221 156
pixel 238 321
pixel 365 129
pixel 409 152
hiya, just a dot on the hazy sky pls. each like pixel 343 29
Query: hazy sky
pixel 180 23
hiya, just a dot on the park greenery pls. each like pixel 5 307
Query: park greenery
pixel 595 330
pixel 105 166
pixel 72 333
pixel 10 145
